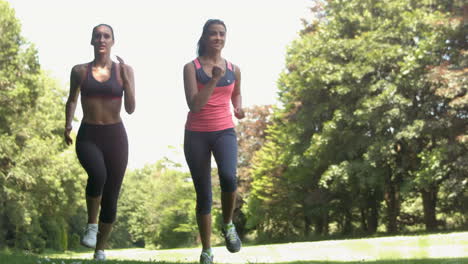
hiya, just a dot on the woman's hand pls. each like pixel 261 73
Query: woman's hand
pixel 128 82
pixel 123 69
pixel 239 113
pixel 67 136
pixel 217 72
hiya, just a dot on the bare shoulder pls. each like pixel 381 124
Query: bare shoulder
pixel 79 69
pixel 236 70
pixel 235 67
pixel 126 67
pixel 189 66
pixel 77 73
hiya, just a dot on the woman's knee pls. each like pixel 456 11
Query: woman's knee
pixel 204 207
pixel 228 181
pixel 108 211
pixel 204 202
pixel 107 217
pixel 94 187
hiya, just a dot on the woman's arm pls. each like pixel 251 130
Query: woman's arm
pixel 70 106
pixel 236 97
pixel 128 82
pixel 196 100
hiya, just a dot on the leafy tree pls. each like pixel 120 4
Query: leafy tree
pixel 40 179
pixel 362 126
pixel 158 206
pixel 251 133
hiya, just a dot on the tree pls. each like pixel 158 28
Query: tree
pixel 251 133
pixel 361 127
pixel 158 206
pixel 39 177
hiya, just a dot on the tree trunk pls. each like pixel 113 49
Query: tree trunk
pixel 364 217
pixel 392 201
pixel 429 197
pixel 318 227
pixel 347 226
pixel 372 213
pixel 326 224
pixel 321 223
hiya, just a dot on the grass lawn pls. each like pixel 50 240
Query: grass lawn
pixel 424 249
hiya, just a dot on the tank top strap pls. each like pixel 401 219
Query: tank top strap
pixel 197 63
pixel 229 65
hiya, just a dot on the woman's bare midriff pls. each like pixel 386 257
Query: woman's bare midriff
pixel 101 110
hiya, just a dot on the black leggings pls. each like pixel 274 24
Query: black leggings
pixel 198 147
pixel 103 153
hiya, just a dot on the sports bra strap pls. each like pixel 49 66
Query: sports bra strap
pixel 84 77
pixel 117 73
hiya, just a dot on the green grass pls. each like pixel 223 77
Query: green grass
pixel 422 249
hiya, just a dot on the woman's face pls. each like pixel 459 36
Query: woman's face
pixel 216 37
pixel 102 39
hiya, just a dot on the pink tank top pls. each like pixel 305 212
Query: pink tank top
pixel 216 114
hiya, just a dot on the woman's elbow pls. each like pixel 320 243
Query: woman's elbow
pixel 130 108
pixel 194 109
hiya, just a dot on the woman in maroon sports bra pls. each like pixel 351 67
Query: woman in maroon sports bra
pixel 101 143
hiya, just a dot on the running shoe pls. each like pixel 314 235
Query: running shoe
pixel 206 258
pixel 99 255
pixel 90 236
pixel 233 242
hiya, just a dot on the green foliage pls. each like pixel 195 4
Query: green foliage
pixel 40 179
pixel 19 72
pixel 158 205
pixel 371 132
pixel 367 120
pixel 251 134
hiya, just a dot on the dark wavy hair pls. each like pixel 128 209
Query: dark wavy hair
pixel 201 44
pixel 105 25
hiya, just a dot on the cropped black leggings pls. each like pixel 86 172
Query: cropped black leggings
pixel 103 153
pixel 198 147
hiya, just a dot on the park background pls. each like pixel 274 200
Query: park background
pixel 356 119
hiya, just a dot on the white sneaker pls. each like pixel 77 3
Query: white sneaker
pixel 99 255
pixel 90 236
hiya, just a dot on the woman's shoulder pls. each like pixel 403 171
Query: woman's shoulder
pixel 229 62
pixel 234 67
pixel 191 65
pixel 194 60
pixel 125 66
pixel 78 72
pixel 79 68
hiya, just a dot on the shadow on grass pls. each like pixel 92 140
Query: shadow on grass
pixel 334 237
pixel 397 261
pixel 30 259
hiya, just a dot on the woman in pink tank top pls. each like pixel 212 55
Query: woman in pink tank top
pixel 211 85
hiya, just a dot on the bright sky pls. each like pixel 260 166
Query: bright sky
pixel 157 38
